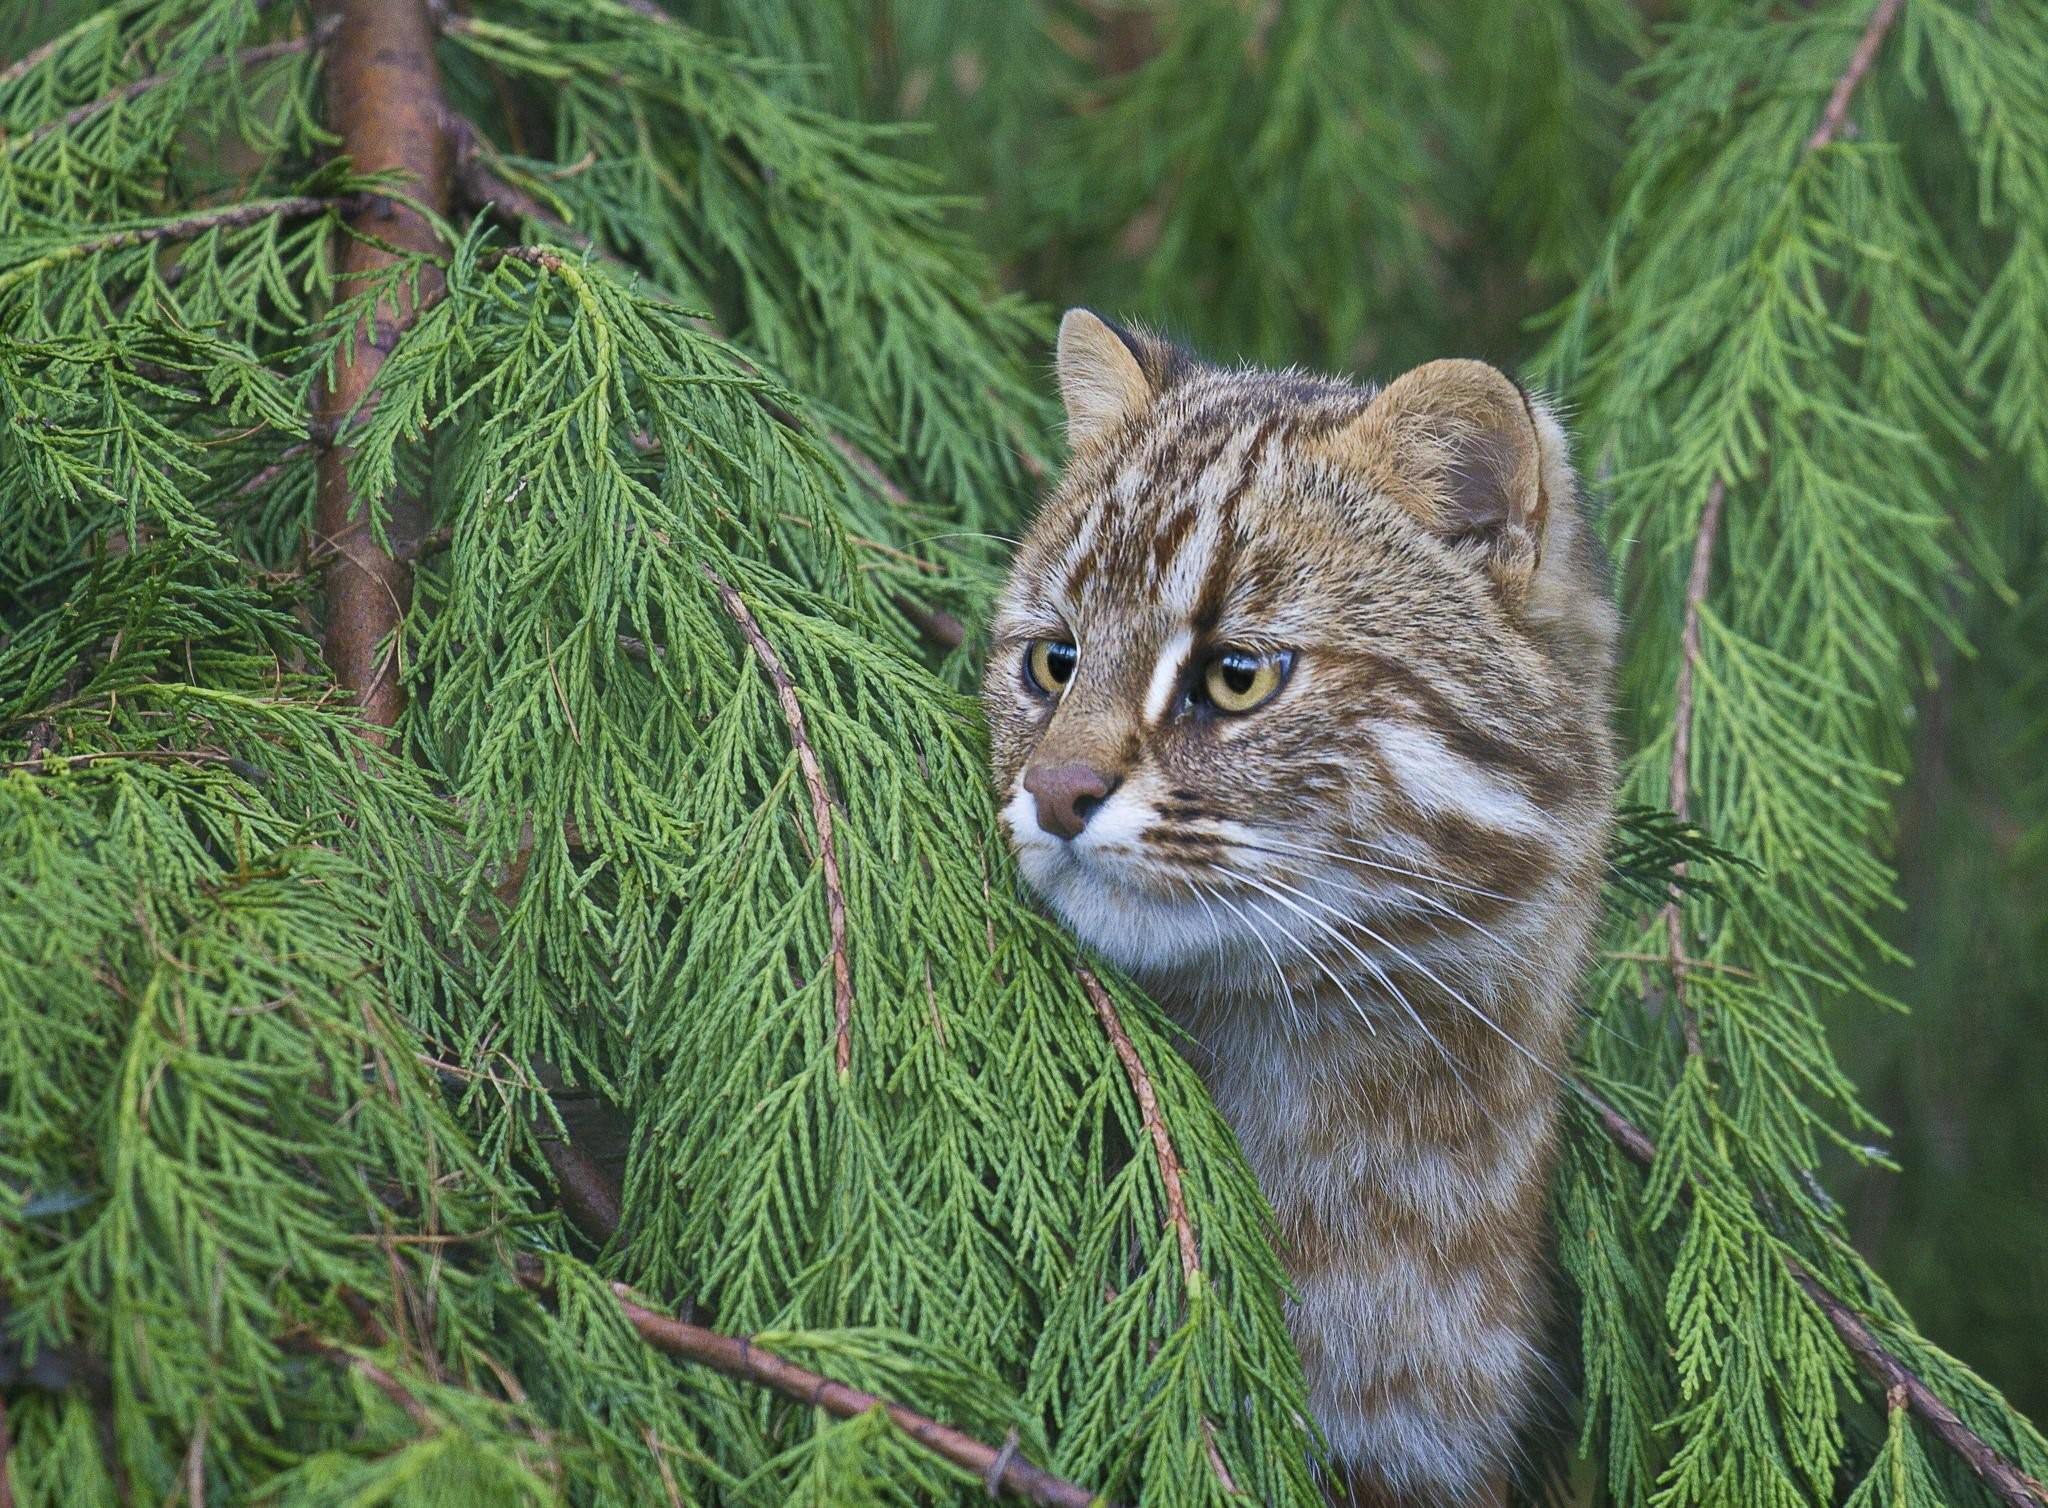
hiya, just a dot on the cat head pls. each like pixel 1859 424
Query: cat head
pixel 1281 649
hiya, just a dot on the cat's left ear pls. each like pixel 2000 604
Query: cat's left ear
pixel 1456 443
pixel 1109 374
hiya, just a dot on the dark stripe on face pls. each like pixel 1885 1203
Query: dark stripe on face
pixel 1209 601
pixel 1082 568
pixel 1172 534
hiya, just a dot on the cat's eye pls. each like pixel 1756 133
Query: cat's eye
pixel 1049 665
pixel 1238 680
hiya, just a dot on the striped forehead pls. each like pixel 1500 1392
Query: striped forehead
pixel 1164 525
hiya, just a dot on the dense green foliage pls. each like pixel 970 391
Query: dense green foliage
pixel 287 1016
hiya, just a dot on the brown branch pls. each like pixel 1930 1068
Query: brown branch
pixel 1680 796
pixel 371 1373
pixel 821 809
pixel 1833 118
pixel 938 626
pixel 248 57
pixel 737 1356
pixel 36 56
pixel 1154 1124
pixel 1836 115
pixel 589 1197
pixel 2011 1485
pixel 384 99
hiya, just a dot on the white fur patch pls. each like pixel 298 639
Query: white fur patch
pixel 1436 779
pixel 1166 676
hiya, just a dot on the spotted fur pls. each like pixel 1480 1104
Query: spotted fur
pixel 1369 899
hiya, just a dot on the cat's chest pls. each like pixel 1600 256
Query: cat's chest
pixel 1359 1141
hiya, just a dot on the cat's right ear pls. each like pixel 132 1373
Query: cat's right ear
pixel 1107 374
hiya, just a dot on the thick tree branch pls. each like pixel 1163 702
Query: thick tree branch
pixel 384 98
pixel 821 809
pixel 1149 1116
pixel 589 1197
pixel 2012 1486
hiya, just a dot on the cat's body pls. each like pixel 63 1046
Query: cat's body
pixel 1299 699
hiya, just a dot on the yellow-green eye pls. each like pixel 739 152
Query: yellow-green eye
pixel 1237 680
pixel 1049 665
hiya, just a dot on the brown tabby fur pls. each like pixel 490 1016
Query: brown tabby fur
pixel 1370 898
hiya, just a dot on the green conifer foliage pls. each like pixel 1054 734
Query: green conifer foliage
pixel 696 438
pixel 680 810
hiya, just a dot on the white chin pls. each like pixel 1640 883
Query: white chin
pixel 1146 934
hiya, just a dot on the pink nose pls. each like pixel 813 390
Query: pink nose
pixel 1067 795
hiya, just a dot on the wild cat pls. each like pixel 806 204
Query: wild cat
pixel 1299 698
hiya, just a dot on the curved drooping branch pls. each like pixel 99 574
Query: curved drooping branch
pixel 1149 1116
pixel 1000 1467
pixel 2012 1486
pixel 821 810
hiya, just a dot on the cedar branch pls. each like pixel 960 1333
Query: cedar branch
pixel 384 100
pixel 737 1356
pixel 821 808
pixel 484 188
pixel 184 227
pixel 1832 121
pixel 2011 1485
pixel 371 1373
pixel 1836 115
pixel 248 57
pixel 1680 795
pixel 1154 1123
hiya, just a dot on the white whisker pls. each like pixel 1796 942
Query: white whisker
pixel 1294 1014
pixel 1327 972
pixel 1297 849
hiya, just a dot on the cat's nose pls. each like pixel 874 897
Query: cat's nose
pixel 1067 795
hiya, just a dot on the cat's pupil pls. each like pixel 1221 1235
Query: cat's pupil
pixel 1059 662
pixel 1239 671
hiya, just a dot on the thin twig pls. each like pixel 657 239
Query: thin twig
pixel 1680 796
pixel 184 227
pixel 370 1372
pixel 6 1451
pixel 821 809
pixel 152 756
pixel 248 57
pixel 2012 1486
pixel 737 1356
pixel 1708 965
pixel 1836 115
pixel 1154 1123
pixel 1833 118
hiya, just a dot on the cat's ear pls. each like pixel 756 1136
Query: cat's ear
pixel 1456 443
pixel 1108 374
